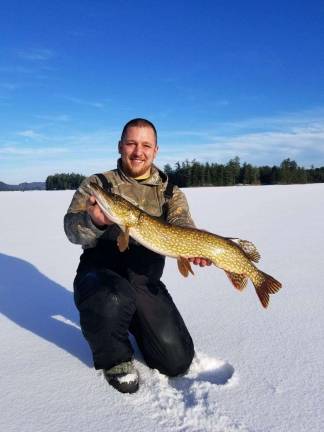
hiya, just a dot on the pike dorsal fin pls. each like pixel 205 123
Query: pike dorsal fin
pixel 248 248
pixel 184 266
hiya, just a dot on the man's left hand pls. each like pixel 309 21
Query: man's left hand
pixel 202 262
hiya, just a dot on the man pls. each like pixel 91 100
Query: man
pixel 120 292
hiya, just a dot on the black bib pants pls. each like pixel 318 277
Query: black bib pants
pixel 117 293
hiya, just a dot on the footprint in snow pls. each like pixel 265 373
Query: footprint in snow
pixel 209 369
pixel 189 402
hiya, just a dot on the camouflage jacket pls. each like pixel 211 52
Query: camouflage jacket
pixel 147 195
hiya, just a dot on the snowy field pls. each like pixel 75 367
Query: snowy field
pixel 255 370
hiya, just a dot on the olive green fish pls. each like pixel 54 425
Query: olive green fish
pixel 234 256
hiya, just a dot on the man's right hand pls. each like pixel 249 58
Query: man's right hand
pixel 96 214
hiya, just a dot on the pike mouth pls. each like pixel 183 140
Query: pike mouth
pixel 100 200
pixel 106 209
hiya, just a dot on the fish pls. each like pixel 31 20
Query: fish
pixel 233 255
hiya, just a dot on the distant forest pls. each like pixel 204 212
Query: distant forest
pixel 194 173
pixel 63 181
pixel 187 174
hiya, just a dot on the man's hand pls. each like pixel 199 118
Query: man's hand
pixel 96 214
pixel 202 262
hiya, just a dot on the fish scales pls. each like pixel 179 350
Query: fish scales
pixel 183 243
pixel 177 241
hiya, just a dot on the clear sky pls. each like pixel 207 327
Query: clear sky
pixel 218 78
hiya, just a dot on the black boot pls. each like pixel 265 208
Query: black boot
pixel 124 377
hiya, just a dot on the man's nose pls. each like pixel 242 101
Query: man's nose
pixel 138 151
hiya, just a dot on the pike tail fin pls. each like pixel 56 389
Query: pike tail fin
pixel 264 286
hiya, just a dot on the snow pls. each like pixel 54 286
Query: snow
pixel 254 370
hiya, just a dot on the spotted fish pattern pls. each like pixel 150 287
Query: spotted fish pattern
pixel 234 256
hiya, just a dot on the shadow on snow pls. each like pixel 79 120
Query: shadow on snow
pixel 30 299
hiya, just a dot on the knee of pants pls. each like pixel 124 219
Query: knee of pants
pixel 172 358
pixel 102 287
pixel 177 362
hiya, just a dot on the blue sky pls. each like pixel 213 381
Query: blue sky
pixel 218 78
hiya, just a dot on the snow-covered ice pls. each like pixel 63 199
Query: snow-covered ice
pixel 255 370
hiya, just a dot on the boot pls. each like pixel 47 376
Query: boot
pixel 123 377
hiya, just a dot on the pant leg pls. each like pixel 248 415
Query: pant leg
pixel 159 329
pixel 106 303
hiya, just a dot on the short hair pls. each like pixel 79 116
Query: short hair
pixel 138 122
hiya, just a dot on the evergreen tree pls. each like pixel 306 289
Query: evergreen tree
pixel 274 175
pixel 266 175
pixel 208 178
pixel 287 173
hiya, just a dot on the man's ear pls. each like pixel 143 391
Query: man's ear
pixel 156 150
pixel 119 147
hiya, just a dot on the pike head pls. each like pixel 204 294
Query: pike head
pixel 115 207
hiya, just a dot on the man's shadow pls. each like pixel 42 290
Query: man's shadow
pixel 40 305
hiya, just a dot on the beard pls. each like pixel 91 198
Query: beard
pixel 135 168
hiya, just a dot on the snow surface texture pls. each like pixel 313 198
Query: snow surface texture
pixel 255 369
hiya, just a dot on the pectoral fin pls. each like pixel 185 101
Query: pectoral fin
pixel 238 280
pixel 123 240
pixel 184 266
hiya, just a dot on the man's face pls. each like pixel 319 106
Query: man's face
pixel 138 150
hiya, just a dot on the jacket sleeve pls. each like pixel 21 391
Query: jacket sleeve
pixel 78 225
pixel 178 210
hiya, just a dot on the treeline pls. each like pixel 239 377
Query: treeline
pixel 63 181
pixel 194 173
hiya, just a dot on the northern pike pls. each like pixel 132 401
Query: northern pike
pixel 234 256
